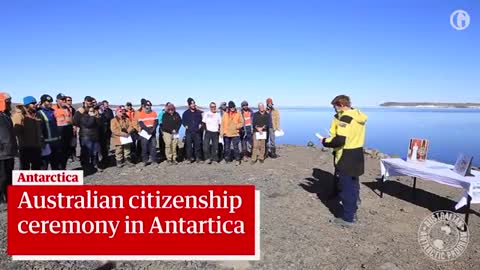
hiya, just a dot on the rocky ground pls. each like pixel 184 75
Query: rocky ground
pixel 296 232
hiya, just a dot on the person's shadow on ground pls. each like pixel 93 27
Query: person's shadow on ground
pixel 322 183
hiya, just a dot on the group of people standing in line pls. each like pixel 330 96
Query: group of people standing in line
pixel 45 134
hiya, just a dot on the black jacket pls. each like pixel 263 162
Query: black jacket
pixel 171 122
pixel 8 142
pixel 89 126
pixel 261 120
pixel 106 117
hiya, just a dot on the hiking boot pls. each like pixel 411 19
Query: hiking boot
pixel 129 164
pixel 119 164
pixel 238 163
pixel 261 161
pixel 145 164
pixel 210 161
pixel 273 153
pixel 342 223
pixel 253 162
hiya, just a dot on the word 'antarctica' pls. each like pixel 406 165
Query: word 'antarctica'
pixel 92 200
pixel 110 227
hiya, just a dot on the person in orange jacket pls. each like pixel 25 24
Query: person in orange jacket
pixel 232 122
pixel 64 118
pixel 148 122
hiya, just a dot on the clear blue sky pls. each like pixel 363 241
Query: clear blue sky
pixel 297 52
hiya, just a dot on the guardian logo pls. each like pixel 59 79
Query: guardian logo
pixel 460 20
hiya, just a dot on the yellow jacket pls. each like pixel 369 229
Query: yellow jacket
pixel 231 124
pixel 348 141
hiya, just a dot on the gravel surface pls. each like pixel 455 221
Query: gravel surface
pixel 296 232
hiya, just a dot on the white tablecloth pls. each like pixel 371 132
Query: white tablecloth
pixel 434 171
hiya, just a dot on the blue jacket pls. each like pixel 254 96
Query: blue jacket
pixel 160 117
pixel 49 125
pixel 192 120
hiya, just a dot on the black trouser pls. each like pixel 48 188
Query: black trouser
pixel 149 149
pixel 211 151
pixel 105 146
pixel 247 140
pixel 30 158
pixel 90 148
pixel 193 138
pixel 228 141
pixel 55 158
pixel 161 144
pixel 66 144
pixel 6 168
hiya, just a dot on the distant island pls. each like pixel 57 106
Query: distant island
pixel 431 104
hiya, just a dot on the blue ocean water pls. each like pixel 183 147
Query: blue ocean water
pixel 450 131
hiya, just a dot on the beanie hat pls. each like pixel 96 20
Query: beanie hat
pixel 142 101
pixel 46 97
pixel 269 100
pixel 88 98
pixel 244 103
pixel 231 104
pixel 29 100
pixel 190 101
pixel 128 104
pixel 61 96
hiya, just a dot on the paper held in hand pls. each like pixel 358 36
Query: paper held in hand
pixel 261 135
pixel 279 133
pixel 176 136
pixel 319 136
pixel 145 134
pixel 126 140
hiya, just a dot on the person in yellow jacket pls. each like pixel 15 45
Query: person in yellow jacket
pixel 121 127
pixel 232 122
pixel 348 142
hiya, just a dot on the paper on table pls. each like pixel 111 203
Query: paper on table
pixel 261 136
pixel 46 150
pixel 127 140
pixel 279 133
pixel 145 134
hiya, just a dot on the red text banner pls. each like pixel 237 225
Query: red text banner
pixel 138 222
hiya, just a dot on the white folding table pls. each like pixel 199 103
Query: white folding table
pixel 434 171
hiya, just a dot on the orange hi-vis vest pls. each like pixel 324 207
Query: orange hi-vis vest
pixel 148 119
pixel 131 114
pixel 63 116
pixel 247 117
